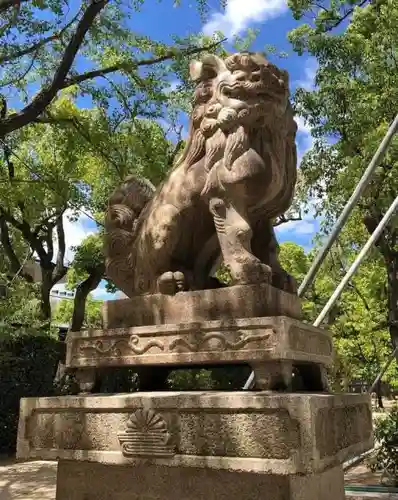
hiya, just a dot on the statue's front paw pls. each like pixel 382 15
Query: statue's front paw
pixel 170 283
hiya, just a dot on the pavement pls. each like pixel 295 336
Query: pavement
pixel 27 480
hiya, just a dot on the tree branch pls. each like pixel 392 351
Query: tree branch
pixel 129 66
pixel 82 291
pixel 60 269
pixel 49 241
pixel 45 220
pixel 283 219
pixel 7 4
pixel 47 94
pixel 344 16
pixel 38 45
pixel 15 263
pixel 30 237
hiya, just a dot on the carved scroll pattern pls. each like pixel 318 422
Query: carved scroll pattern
pixel 112 347
pixel 223 343
pixel 191 342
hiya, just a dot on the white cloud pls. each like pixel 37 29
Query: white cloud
pixel 75 232
pixel 301 232
pixel 239 14
pixel 307 226
pixel 100 293
pixel 302 227
pixel 305 140
pixel 307 81
pixel 302 126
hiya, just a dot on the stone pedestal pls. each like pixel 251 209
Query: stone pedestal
pixel 93 481
pixel 192 446
pixel 272 444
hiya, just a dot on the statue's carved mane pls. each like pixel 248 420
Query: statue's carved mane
pixel 270 85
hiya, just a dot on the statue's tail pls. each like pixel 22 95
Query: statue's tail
pixel 124 208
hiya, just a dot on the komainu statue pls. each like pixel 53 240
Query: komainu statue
pixel 235 176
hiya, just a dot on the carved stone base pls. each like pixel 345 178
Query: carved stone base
pixel 86 481
pixel 255 432
pixel 271 345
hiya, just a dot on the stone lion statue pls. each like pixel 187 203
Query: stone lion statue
pixel 236 174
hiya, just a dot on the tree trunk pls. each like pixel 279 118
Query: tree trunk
pixel 392 291
pixel 82 291
pixel 379 396
pixel 46 285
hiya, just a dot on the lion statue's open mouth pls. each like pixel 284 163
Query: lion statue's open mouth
pixel 237 173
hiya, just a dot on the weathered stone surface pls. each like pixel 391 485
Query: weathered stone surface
pixel 336 428
pixel 245 301
pixel 89 481
pixel 253 340
pixel 255 432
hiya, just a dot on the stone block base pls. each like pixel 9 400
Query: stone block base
pixel 256 432
pixel 93 481
pixel 240 301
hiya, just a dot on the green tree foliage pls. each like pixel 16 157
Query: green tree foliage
pixel 355 45
pixel 18 308
pixel 44 45
pixel 386 458
pixel 64 311
pixel 357 321
pixel 27 367
pixel 78 160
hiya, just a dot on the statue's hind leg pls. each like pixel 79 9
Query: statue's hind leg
pixel 234 234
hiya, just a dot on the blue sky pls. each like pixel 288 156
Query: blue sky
pixel 160 20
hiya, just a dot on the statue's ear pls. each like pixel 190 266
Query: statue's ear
pixel 195 70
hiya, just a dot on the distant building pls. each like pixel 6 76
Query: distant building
pixel 58 293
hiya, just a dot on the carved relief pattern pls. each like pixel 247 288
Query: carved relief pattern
pixel 202 342
pixel 223 343
pixel 112 347
pixel 146 435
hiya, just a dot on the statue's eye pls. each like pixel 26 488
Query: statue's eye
pixel 209 73
pixel 240 75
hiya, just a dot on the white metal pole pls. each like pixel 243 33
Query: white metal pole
pixel 358 261
pixel 383 371
pixel 309 278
